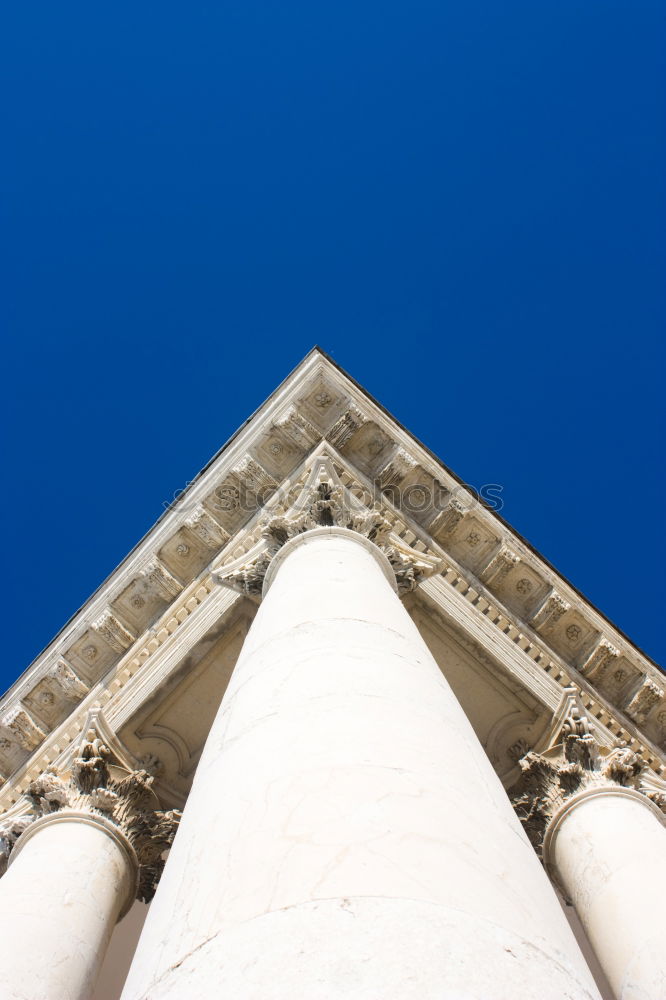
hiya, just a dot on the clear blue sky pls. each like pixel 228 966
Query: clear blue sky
pixel 464 203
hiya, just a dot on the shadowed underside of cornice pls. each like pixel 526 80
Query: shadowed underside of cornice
pixel 125 643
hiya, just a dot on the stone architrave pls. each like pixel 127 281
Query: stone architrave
pixel 340 782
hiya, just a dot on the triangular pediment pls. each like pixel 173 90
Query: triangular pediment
pixel 153 647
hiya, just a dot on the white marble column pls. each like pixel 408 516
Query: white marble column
pixel 70 878
pixel 82 845
pixel 607 848
pixel 345 835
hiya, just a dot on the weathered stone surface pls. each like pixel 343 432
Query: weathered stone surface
pixel 345 784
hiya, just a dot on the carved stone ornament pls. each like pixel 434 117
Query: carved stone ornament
pixel 69 681
pixel 345 428
pixel 601 659
pixel 500 566
pixel 95 786
pixel 448 520
pixel 550 612
pixel 324 502
pixel 22 729
pixel 574 765
pixel 206 528
pixel 113 632
pixel 395 470
pixel 648 695
pixel 299 430
pixel 161 581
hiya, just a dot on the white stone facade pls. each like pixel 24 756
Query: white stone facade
pixel 398 740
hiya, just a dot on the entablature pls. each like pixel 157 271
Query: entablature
pixel 118 649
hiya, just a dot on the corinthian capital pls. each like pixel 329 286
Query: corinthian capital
pixel 324 502
pixel 93 785
pixel 548 780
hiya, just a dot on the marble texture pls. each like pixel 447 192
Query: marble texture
pixel 63 891
pixel 149 656
pixel 346 835
pixel 608 849
pixel 139 629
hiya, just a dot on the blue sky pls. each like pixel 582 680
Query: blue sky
pixel 463 203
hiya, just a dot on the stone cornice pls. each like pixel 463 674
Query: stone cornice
pixel 104 650
pixel 145 665
pixel 137 674
pixel 526 657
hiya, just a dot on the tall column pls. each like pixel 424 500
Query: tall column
pixel 69 880
pixel 607 847
pixel 604 842
pixel 89 845
pixel 345 835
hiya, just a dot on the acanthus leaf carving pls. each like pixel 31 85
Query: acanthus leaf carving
pixel 299 430
pixel 398 466
pixel 247 578
pixel 622 765
pixel 10 831
pixel 253 477
pixel 648 695
pixel 22 728
pixel 161 581
pixel 113 632
pixel 500 566
pixel 206 528
pixel 94 785
pixel 600 659
pixel 343 430
pixel 323 502
pixel 550 612
pixel 448 520
pixel 71 685
pixel 550 778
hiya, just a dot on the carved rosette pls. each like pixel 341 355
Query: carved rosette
pixel 323 503
pixel 548 780
pixel 95 787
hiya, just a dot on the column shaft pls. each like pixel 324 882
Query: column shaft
pixel 608 851
pixel 345 835
pixel 60 899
